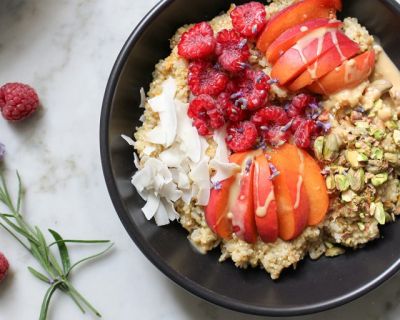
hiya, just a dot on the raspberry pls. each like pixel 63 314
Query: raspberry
pixel 241 136
pixel 253 89
pixel 297 121
pixel 268 116
pixel 206 114
pixel 276 135
pixel 302 136
pixel 4 265
pixel 197 42
pixel 299 104
pixel 232 51
pixel 232 112
pixel 17 101
pixel 203 78
pixel 249 19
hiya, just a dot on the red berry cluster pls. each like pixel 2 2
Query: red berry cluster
pixel 4 265
pixel 226 90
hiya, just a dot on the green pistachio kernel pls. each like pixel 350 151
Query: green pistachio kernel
pixel 396 137
pixel 379 179
pixel 319 147
pixel 330 183
pixel 378 134
pixel 342 182
pixel 391 125
pixel 379 213
pixel 331 147
pixel 376 153
pixel 391 157
pixel 361 157
pixel 334 251
pixel 362 124
pixel 348 195
pixel 361 226
pixel 356 179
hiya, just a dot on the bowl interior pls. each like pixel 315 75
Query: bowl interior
pixel 314 286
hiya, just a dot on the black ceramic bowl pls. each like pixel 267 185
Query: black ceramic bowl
pixel 315 285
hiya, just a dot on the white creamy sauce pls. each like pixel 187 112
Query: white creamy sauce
pixel 262 211
pixel 386 69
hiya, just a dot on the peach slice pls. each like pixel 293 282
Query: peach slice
pixel 334 57
pixel 290 193
pixel 295 14
pixel 351 73
pixel 243 220
pixel 292 35
pixel 315 186
pixel 306 51
pixel 264 201
pixel 216 212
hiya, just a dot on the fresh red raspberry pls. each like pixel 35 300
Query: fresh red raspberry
pixel 302 136
pixel 198 42
pixel 232 50
pixel 241 136
pixel 4 265
pixel 249 19
pixel 204 78
pixel 297 121
pixel 204 110
pixel 17 101
pixel 299 104
pixel 276 135
pixel 269 116
pixel 232 112
pixel 253 89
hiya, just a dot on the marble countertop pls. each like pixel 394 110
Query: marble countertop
pixel 66 49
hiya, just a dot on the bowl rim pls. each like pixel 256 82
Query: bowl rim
pixel 140 241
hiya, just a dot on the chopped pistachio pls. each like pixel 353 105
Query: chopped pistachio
pixel 357 179
pixel 328 244
pixel 378 134
pixel 362 124
pixel 361 157
pixel 319 147
pixel 348 195
pixel 372 208
pixel 376 153
pixel 379 179
pixel 342 182
pixel 379 213
pixel 396 137
pixel 391 125
pixel 334 251
pixel 331 147
pixel 361 226
pixel 330 182
pixel 352 157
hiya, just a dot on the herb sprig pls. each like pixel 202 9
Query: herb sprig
pixel 55 272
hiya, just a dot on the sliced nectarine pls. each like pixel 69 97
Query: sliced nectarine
pixel 306 51
pixel 315 186
pixel 242 209
pixel 290 193
pixel 292 35
pixel 335 56
pixel 351 73
pixel 216 212
pixel 264 201
pixel 295 14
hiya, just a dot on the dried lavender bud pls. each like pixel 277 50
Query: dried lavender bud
pixel 274 171
pixel 2 151
pixel 217 185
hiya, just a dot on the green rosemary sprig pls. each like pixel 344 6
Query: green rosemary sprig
pixel 55 272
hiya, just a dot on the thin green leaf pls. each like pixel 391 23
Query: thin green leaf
pixel 20 192
pixel 46 300
pixel 7 198
pixel 39 275
pixel 62 248
pixel 82 298
pixel 75 299
pixel 56 265
pixel 43 244
pixel 45 265
pixel 15 236
pixel 88 258
pixel 18 229
pixel 79 241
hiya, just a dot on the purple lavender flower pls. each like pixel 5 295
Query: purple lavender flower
pixel 325 126
pixel 274 171
pixel 217 185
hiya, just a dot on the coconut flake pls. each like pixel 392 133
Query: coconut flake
pixel 164 104
pixel 148 150
pixel 142 98
pixel 151 206
pixel 129 140
pixel 172 156
pixel 201 181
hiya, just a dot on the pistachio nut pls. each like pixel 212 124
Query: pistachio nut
pixel 334 251
pixel 319 147
pixel 356 179
pixel 361 157
pixel 391 125
pixel 391 157
pixel 331 146
pixel 379 213
pixel 362 124
pixel 378 134
pixel 352 157
pixel 330 182
pixel 376 153
pixel 361 226
pixel 348 195
pixel 342 182
pixel 379 179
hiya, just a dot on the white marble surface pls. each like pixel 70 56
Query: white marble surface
pixel 66 49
